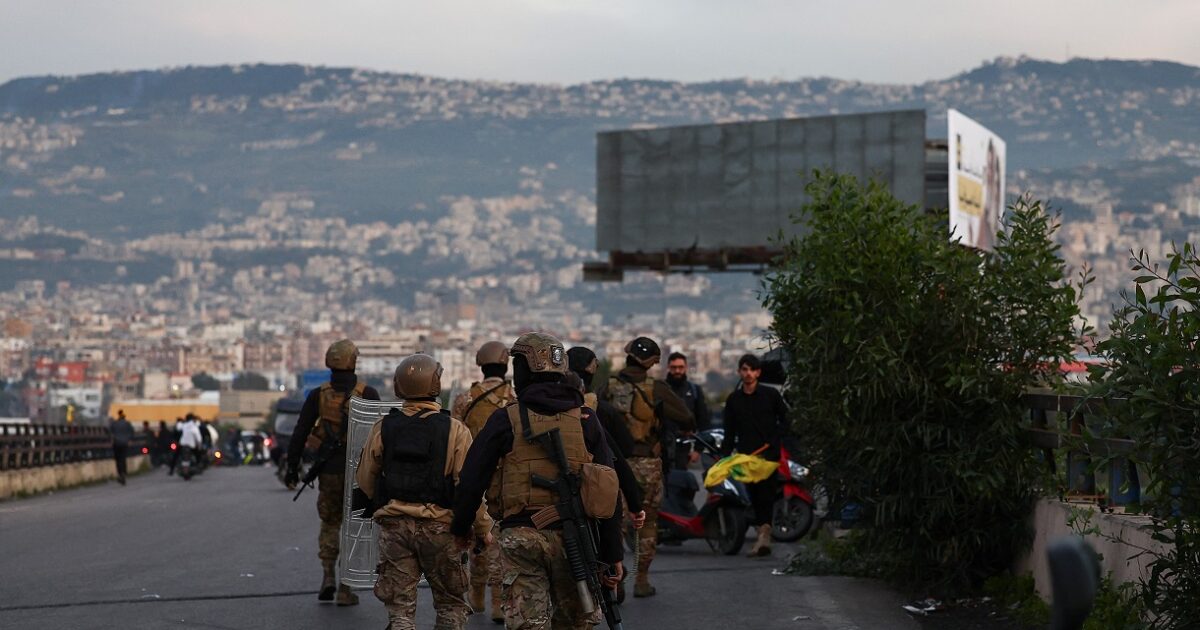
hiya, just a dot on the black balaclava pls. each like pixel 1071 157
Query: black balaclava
pixel 578 359
pixel 494 370
pixel 523 377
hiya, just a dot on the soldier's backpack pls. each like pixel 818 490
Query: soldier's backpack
pixel 483 403
pixel 636 401
pixel 333 407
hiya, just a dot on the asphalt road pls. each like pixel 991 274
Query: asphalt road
pixel 230 550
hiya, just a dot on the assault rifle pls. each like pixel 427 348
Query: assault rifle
pixel 325 452
pixel 580 538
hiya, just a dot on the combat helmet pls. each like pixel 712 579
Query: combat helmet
pixel 418 376
pixel 491 353
pixel 645 351
pixel 341 355
pixel 544 353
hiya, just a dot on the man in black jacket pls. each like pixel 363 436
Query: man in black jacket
pixel 755 419
pixel 539 589
pixel 324 418
pixel 692 396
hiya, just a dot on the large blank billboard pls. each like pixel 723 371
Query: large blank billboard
pixel 736 185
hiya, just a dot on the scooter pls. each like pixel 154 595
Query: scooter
pixel 185 463
pixel 792 514
pixel 721 520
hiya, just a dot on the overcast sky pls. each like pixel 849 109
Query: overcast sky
pixel 566 41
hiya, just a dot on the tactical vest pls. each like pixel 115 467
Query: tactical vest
pixel 517 492
pixel 414 459
pixel 333 408
pixel 636 402
pixel 485 401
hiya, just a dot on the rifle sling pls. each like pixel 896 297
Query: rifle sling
pixel 471 406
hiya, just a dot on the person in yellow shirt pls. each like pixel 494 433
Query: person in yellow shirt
pixel 408 471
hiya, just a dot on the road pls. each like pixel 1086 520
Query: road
pixel 229 549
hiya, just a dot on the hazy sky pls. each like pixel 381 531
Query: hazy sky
pixel 568 41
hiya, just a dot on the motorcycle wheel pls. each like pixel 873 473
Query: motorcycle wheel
pixel 730 538
pixel 792 517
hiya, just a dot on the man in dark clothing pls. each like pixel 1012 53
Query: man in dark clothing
pixel 537 578
pixel 583 363
pixel 675 456
pixel 755 419
pixel 324 418
pixel 122 435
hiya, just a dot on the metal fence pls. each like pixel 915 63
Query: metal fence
pixel 1058 422
pixel 34 445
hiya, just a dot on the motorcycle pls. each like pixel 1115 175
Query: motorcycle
pixel 185 463
pixel 792 514
pixel 721 520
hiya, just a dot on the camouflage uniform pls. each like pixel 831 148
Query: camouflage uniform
pixel 331 494
pixel 409 548
pixel 649 474
pixel 536 573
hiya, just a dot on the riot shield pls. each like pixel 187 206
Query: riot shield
pixel 359 553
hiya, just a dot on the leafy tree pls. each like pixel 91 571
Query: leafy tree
pixel 251 381
pixel 205 382
pixel 1152 378
pixel 909 357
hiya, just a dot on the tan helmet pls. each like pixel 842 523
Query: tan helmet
pixel 341 355
pixel 544 353
pixel 645 351
pixel 492 352
pixel 418 376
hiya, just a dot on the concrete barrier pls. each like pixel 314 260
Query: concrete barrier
pixel 30 481
pixel 1051 520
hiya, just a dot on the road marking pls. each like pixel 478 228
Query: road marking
pixel 144 600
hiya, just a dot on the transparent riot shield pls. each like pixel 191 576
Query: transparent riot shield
pixel 359 553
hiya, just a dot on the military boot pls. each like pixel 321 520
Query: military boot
pixel 642 587
pixel 762 545
pixel 478 592
pixel 346 597
pixel 497 609
pixel 328 585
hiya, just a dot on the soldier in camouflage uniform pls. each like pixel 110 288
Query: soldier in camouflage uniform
pixel 644 401
pixel 474 407
pixel 323 418
pixel 539 590
pixel 407 474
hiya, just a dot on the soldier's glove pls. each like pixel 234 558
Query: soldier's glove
pixel 359 501
pixel 292 478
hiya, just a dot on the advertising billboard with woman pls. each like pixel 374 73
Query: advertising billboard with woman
pixel 977 170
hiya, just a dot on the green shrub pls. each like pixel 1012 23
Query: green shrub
pixel 909 357
pixel 1153 377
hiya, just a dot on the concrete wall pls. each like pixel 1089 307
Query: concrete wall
pixel 28 481
pixel 1051 520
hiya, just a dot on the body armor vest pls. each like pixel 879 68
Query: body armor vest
pixel 636 402
pixel 414 459
pixel 484 402
pixel 334 407
pixel 517 492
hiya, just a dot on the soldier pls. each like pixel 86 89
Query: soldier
pixel 644 401
pixel 539 590
pixel 408 470
pixel 323 419
pixel 474 407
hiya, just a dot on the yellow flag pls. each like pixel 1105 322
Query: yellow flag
pixel 742 467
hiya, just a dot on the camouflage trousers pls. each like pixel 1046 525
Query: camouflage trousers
pixel 485 566
pixel 539 592
pixel 649 475
pixel 331 491
pixel 408 548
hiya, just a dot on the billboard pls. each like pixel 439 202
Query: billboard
pixel 730 188
pixel 977 170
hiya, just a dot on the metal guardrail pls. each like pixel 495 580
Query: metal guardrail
pixel 1123 483
pixel 36 445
